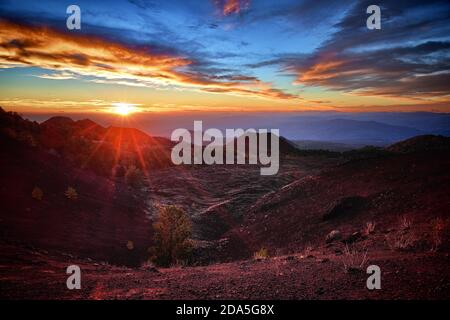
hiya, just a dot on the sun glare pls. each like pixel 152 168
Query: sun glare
pixel 123 109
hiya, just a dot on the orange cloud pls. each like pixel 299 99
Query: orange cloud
pixel 52 105
pixel 110 62
pixel 229 7
pixel 380 73
pixel 319 72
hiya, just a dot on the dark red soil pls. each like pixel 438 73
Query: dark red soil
pixel 415 185
pixel 106 215
pixel 33 274
pixel 404 192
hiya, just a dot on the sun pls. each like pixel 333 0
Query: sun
pixel 123 109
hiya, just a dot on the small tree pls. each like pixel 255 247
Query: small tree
pixel 37 193
pixel 172 237
pixel 71 193
pixel 130 245
pixel 133 176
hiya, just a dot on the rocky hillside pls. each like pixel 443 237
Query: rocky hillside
pixel 307 232
pixel 383 190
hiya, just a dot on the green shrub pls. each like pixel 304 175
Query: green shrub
pixel 130 245
pixel 133 176
pixel 172 237
pixel 37 193
pixel 71 193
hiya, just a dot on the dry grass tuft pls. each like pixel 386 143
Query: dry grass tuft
pixel 369 228
pixel 353 259
pixel 261 254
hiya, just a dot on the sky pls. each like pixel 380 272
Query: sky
pixel 224 56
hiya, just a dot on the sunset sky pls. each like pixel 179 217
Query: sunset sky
pixel 225 55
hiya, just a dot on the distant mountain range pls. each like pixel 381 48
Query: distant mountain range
pixel 88 145
pixel 353 129
pixel 60 128
pixel 348 131
pixel 358 129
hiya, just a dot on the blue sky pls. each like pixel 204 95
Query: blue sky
pixel 277 55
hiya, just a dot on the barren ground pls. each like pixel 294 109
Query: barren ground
pixel 34 274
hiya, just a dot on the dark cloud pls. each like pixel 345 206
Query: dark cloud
pixel 409 56
pixel 307 13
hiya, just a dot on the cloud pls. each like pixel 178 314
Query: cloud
pixel 306 13
pixel 417 71
pixel 409 58
pixel 104 60
pixel 43 105
pixel 57 76
pixel 230 7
